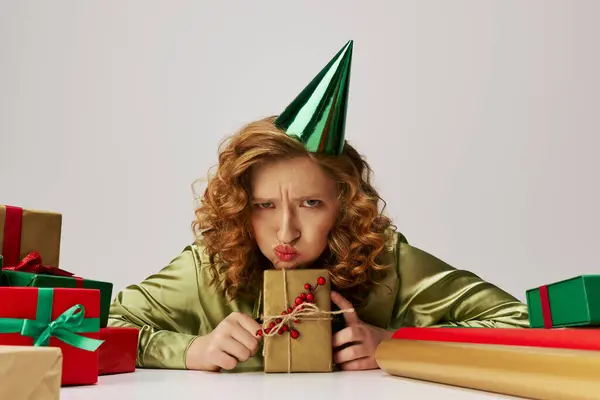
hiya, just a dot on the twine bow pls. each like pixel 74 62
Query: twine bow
pixel 303 312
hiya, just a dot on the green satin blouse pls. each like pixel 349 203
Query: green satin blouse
pixel 175 305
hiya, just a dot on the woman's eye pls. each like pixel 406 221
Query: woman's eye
pixel 312 203
pixel 264 205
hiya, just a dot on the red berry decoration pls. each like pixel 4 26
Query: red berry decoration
pixel 259 332
pixel 268 330
pixel 307 297
pixel 272 324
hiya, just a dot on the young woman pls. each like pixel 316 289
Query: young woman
pixel 290 192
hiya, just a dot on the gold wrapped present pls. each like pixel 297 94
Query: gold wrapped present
pixel 23 231
pixel 28 372
pixel 297 321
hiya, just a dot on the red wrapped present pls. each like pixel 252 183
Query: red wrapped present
pixel 62 317
pixel 563 338
pixel 117 355
pixel 30 271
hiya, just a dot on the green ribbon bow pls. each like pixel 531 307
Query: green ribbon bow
pixel 65 327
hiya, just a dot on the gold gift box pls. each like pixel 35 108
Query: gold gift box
pixel 311 351
pixel 40 231
pixel 28 372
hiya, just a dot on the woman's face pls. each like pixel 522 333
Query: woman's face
pixel 294 206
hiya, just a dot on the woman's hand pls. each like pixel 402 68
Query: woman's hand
pixel 354 346
pixel 234 340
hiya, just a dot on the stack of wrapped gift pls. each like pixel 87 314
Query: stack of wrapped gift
pixel 46 306
pixel 558 357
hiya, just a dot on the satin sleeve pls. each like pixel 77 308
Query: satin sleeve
pixel 166 309
pixel 433 293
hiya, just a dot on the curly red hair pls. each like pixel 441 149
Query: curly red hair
pixel 223 225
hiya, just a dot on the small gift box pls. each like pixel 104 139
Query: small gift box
pixel 64 318
pixel 297 319
pixel 30 373
pixel 118 353
pixel 31 272
pixel 23 231
pixel 570 302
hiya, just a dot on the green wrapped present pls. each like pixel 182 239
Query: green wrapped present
pixel 30 272
pixel 570 302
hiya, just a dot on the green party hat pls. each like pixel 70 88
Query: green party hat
pixel 317 116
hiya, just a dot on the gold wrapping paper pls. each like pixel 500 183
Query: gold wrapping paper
pixel 41 231
pixel 311 351
pixel 530 372
pixel 28 373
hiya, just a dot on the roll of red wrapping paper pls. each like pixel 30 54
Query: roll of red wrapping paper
pixel 563 338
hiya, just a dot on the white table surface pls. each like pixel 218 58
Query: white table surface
pixel 145 384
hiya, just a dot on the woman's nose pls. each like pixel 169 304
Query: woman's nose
pixel 288 230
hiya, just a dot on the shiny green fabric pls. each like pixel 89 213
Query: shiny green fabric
pixel 175 305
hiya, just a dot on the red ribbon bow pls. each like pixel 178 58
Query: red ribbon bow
pixel 33 263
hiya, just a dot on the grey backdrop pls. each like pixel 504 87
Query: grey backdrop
pixel 479 117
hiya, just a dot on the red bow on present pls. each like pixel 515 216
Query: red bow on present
pixel 33 263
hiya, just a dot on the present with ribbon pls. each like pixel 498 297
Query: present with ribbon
pixel 63 317
pixel 30 271
pixel 30 373
pixel 297 321
pixel 24 230
pixel 570 302
pixel 118 353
